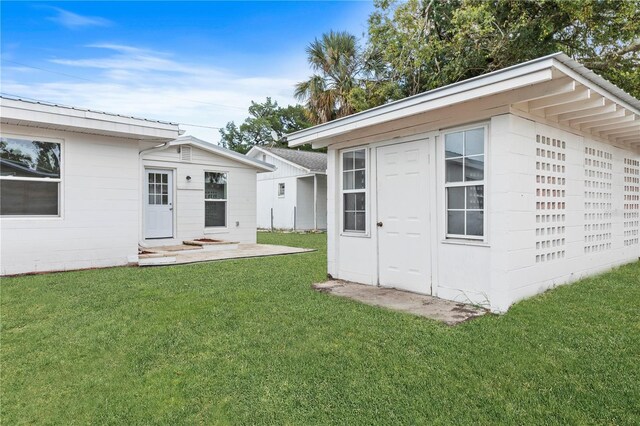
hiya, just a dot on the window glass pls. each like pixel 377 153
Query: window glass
pixel 29 198
pixel 29 159
pixel 215 213
pixel 453 145
pixel 354 183
pixel 215 186
pixel 464 182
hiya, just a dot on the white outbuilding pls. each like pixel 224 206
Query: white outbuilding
pixel 294 196
pixel 489 190
pixel 86 189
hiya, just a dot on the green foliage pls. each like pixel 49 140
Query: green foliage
pixel 265 119
pixel 346 78
pixel 249 342
pixel 427 44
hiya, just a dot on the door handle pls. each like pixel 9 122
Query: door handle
pixel 379 224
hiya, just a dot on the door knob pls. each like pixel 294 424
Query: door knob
pixel 379 224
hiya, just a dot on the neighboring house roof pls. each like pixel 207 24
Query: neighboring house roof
pixel 306 160
pixel 14 110
pixel 223 152
pixel 560 88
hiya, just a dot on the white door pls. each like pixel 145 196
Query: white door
pixel 158 204
pixel 403 217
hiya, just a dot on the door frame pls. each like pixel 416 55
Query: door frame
pixel 145 200
pixel 430 149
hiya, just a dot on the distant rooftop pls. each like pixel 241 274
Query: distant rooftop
pixel 314 161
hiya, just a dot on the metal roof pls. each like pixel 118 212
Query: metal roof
pixel 51 104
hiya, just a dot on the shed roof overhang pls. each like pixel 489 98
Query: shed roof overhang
pixel 554 88
pixel 56 117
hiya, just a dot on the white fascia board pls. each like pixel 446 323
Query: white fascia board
pixel 284 160
pixel 499 81
pixel 39 115
pixel 223 152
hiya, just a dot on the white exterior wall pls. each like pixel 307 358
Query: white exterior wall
pixel 503 268
pixel 100 198
pixel 285 209
pixel 189 196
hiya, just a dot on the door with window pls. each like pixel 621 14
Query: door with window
pixel 404 260
pixel 159 204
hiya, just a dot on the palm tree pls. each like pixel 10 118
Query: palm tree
pixel 337 63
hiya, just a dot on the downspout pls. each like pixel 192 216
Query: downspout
pixel 315 202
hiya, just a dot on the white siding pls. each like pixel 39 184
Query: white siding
pixel 504 268
pixel 189 195
pixel 292 210
pixel 100 197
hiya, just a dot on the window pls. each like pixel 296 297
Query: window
pixel 281 190
pixel 158 188
pixel 354 185
pixel 215 199
pixel 29 177
pixel 464 183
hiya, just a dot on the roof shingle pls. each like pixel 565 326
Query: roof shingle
pixel 314 161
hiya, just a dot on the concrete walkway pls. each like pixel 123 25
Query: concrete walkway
pixel 241 251
pixel 449 312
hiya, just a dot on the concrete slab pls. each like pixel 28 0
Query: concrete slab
pixel 241 251
pixel 449 312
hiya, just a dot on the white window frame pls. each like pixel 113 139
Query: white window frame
pixel 483 183
pixel 367 168
pixel 281 189
pixel 217 200
pixel 59 180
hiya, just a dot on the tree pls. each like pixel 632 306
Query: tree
pixel 265 121
pixel 427 43
pixel 346 78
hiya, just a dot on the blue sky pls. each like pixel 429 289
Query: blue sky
pixel 190 62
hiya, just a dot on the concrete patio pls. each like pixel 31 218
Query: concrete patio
pixel 451 313
pixel 178 255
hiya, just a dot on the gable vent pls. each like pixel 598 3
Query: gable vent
pixel 185 153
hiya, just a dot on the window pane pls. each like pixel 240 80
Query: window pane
pixel 151 188
pixel 348 178
pixel 24 198
pixel 453 145
pixel 475 225
pixel 215 186
pixel 349 221
pixel 360 201
pixel 350 201
pixel 164 178
pixel 215 213
pixel 347 161
pixel 359 180
pixel 25 158
pixel 152 178
pixel 475 197
pixel 453 170
pixel 165 189
pixel 152 199
pixel 360 225
pixel 455 222
pixel 359 157
pixel 159 199
pixel 455 198
pixel 474 168
pixel 165 199
pixel 474 142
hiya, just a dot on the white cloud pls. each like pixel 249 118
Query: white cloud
pixel 144 83
pixel 74 21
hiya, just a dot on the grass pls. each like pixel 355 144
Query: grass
pixel 248 341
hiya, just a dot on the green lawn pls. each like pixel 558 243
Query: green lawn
pixel 248 341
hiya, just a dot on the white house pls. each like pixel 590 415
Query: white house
pixel 489 190
pixel 84 189
pixel 294 196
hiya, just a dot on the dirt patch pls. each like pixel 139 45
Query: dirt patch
pixel 207 240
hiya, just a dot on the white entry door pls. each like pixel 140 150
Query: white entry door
pixel 158 204
pixel 403 217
